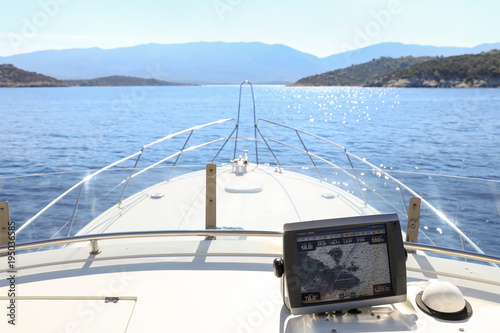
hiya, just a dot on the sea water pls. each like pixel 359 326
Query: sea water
pixel 417 135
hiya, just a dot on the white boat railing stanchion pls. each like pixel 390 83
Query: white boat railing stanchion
pixel 76 208
pixel 309 155
pixel 268 147
pixel 211 197
pixel 180 153
pixel 356 177
pixel 94 247
pixel 130 177
pixel 412 225
pixel 4 223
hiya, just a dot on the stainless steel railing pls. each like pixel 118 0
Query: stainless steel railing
pixel 360 183
pixel 303 149
pixel 125 181
pixel 93 239
pixel 139 234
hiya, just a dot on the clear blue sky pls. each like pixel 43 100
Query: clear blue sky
pixel 319 27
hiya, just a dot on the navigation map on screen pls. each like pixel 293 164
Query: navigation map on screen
pixel 341 264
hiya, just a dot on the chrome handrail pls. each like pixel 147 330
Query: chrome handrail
pixel 434 209
pixel 140 234
pixel 303 150
pixel 221 233
pixel 451 252
pixel 254 121
pixel 373 167
pixel 108 167
pixel 56 200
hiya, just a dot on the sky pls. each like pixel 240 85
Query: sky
pixel 318 27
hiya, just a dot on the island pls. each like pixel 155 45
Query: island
pixel 122 81
pixel 362 74
pixel 464 71
pixel 12 77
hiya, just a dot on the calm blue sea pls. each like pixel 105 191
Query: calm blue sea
pixel 417 134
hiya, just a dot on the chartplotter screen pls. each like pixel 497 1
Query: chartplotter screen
pixel 344 263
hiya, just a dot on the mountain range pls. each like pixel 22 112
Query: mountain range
pixel 213 62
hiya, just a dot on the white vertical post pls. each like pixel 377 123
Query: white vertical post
pixel 4 223
pixel 211 194
pixel 413 220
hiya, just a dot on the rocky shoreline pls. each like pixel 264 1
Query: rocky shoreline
pixel 415 82
pixel 36 84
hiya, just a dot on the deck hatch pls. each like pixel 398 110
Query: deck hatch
pixel 69 314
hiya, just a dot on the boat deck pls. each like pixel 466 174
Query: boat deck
pixel 259 199
pixel 222 285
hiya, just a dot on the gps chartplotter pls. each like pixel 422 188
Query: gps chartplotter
pixel 343 263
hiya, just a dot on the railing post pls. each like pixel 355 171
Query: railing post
pixel 211 194
pixel 356 177
pixel 76 208
pixel 130 177
pixel 307 152
pixel 94 247
pixel 4 223
pixel 413 220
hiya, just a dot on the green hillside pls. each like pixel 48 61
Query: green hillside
pixel 362 74
pixel 470 70
pixel 11 76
